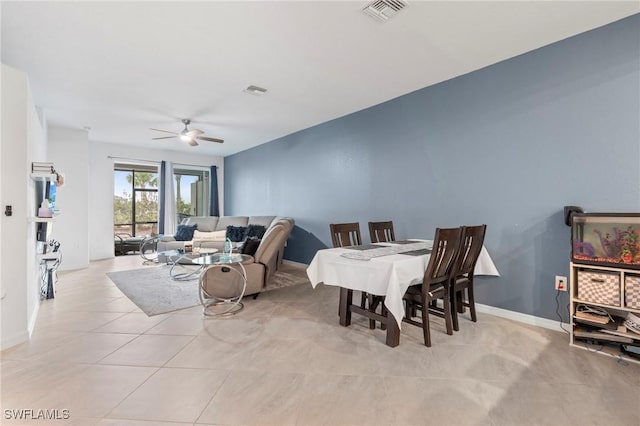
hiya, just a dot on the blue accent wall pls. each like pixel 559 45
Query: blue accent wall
pixel 508 145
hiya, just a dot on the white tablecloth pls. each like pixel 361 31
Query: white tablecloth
pixel 388 276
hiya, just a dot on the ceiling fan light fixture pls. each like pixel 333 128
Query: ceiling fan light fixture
pixel 188 136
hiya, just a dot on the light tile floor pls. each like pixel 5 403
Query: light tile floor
pixel 284 360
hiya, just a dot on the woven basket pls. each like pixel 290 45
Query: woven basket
pixel 632 291
pixel 599 287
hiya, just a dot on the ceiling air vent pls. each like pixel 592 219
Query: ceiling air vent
pixel 255 90
pixel 381 10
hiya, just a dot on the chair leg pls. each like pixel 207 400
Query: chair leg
pixel 453 295
pixel 472 304
pixel 425 323
pixel 446 300
pixel 460 301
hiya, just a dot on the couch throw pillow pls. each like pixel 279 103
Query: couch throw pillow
pixel 185 232
pixel 209 236
pixel 236 233
pixel 250 246
pixel 255 231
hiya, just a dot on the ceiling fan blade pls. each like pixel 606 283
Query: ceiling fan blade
pixel 193 142
pixel 194 132
pixel 163 137
pixel 204 138
pixel 166 131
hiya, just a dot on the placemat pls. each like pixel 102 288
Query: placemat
pixel 386 251
pixel 362 247
pixel 418 252
pixel 403 242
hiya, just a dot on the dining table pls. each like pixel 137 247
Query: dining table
pixel 382 269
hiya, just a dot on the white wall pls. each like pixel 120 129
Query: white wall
pixel 69 151
pixel 23 141
pixel 36 151
pixel 101 186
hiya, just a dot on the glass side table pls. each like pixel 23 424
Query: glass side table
pixel 222 284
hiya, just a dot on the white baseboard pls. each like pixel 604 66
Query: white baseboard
pixel 21 337
pixel 520 317
pixel 298 264
pixel 34 317
pixel 72 267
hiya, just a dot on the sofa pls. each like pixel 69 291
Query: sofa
pixel 259 268
pixel 211 231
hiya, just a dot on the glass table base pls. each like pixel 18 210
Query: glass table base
pixel 186 274
pixel 224 297
pixel 221 308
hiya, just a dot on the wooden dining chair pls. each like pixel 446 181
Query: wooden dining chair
pixel 348 234
pixel 435 284
pixel 470 247
pixel 381 232
pixel 345 234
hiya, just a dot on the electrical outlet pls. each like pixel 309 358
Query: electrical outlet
pixel 561 283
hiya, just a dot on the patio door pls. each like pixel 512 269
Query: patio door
pixel 135 200
pixel 191 192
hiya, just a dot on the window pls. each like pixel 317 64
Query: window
pixel 135 200
pixel 192 192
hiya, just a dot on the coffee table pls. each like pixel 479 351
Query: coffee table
pixel 180 259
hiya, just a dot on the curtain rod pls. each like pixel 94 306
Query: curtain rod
pixel 133 159
pixel 153 162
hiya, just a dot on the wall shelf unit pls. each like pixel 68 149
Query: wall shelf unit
pixel 46 180
pixel 42 219
pixel 43 177
pixel 52 256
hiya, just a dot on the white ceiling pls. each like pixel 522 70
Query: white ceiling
pixel 123 67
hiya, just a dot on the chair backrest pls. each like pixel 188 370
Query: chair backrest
pixel 443 257
pixel 345 234
pixel 470 248
pixel 381 232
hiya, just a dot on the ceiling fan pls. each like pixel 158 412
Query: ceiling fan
pixel 187 135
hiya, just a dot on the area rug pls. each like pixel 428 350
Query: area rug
pixel 154 292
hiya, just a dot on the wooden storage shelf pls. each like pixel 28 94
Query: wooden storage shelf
pixel 611 350
pixel 605 348
pixel 610 307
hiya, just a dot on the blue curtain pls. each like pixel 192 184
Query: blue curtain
pixel 214 208
pixel 163 168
